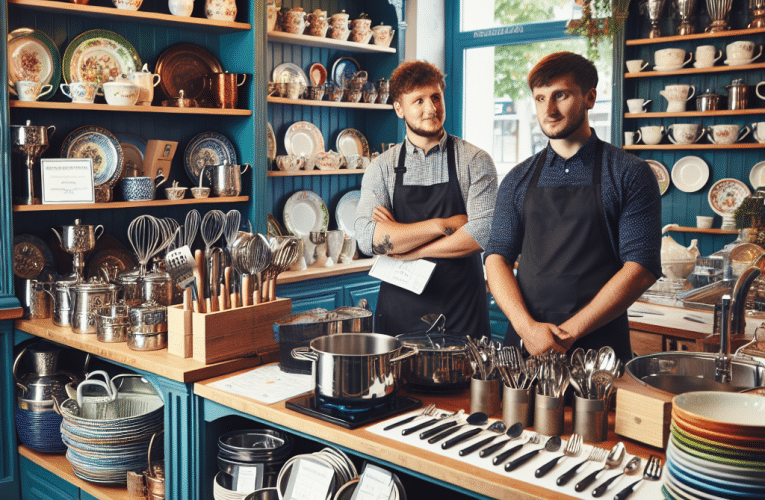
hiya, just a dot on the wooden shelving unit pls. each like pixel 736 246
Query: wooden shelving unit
pixel 127 204
pixel 303 173
pixel 695 71
pixel 649 147
pixel 330 43
pixel 130 109
pixel 680 229
pixel 695 36
pixel 697 114
pixel 329 104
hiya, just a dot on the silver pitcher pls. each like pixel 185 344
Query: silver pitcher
pixel 686 10
pixel 226 179
pixel 654 10
pixel 718 13
pixel 32 141
pixel 77 240
pixel 35 302
pixel 62 301
pixel 87 298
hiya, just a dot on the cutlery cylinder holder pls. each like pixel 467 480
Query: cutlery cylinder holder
pixel 86 299
pixel 548 415
pixel 485 395
pixel 591 419
pixel 518 405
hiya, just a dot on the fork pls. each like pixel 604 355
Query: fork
pixel 596 455
pixel 502 457
pixel 425 412
pixel 572 449
pixel 652 472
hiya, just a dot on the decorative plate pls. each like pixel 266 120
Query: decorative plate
pixel 352 142
pixel 757 175
pixel 271 143
pixel 97 55
pixel 134 149
pixel 289 72
pixel 690 174
pixel 304 212
pixel 111 262
pixel 101 146
pixel 662 176
pixel 345 213
pixel 207 148
pixel 182 66
pixel 726 195
pixel 30 256
pixel 303 139
pixel 33 56
pixel 344 69
pixel 318 74
pixel 274 228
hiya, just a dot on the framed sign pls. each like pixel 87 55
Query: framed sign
pixel 67 180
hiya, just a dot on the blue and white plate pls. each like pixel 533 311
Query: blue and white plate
pixel 344 69
pixel 99 145
pixel 207 148
pixel 345 213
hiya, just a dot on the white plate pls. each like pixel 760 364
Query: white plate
pixel 304 212
pixel 289 72
pixel 271 143
pixel 662 176
pixel 303 139
pixel 726 195
pixel 345 213
pixel 667 68
pixel 134 149
pixel 690 174
pixel 352 142
pixel 757 175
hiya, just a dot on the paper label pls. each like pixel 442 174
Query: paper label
pixel 410 275
pixel 309 480
pixel 375 484
pixel 249 478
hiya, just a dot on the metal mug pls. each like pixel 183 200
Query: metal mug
pixel 62 301
pixel 226 179
pixel 224 88
pixel 35 302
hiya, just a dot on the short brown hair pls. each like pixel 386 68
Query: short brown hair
pixel 561 64
pixel 412 75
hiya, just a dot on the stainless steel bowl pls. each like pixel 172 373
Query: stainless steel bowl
pixel 147 341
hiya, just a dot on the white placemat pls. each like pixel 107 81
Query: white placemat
pixel 267 384
pixel 646 489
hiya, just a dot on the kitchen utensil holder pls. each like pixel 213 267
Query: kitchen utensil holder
pixel 485 395
pixel 591 419
pixel 517 405
pixel 548 415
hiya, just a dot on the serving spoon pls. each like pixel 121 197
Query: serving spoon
pixel 513 433
pixel 632 466
pixel 552 444
pixel 613 460
pixel 498 427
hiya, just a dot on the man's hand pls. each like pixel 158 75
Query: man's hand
pixel 382 214
pixel 539 338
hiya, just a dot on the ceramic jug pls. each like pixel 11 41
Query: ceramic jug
pixel 382 35
pixel 180 7
pixel 293 21
pixel 361 30
pixel 338 26
pixel 317 23
pixel 677 261
pixel 146 82
pixel 272 16
pixel 221 10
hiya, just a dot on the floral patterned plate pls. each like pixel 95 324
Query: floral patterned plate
pixel 303 139
pixel 102 147
pixel 304 212
pixel 97 55
pixel 32 56
pixel 661 173
pixel 352 142
pixel 207 148
pixel 271 142
pixel 726 195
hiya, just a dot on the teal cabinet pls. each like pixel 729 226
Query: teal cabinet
pixel 38 483
pixel 367 290
pixel 331 293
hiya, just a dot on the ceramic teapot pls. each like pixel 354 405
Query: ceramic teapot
pixel 677 261
pixel 146 82
pixel 317 23
pixel 221 10
pixel 293 21
pixel 338 26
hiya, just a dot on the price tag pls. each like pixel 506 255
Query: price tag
pixel 375 484
pixel 67 180
pixel 249 478
pixel 309 480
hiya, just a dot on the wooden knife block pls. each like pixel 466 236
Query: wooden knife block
pixel 642 413
pixel 159 155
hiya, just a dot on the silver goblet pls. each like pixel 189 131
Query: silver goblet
pixel 654 10
pixel 718 12
pixel 686 10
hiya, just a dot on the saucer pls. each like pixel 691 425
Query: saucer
pixel 696 65
pixel 667 68
pixel 737 62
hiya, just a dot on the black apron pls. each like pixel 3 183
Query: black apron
pixel 567 257
pixel 456 288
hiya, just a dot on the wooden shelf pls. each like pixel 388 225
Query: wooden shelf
pixel 70 106
pixel 330 43
pixel 356 266
pixel 694 71
pixel 681 229
pixel 59 465
pixel 330 104
pixel 303 173
pixel 695 36
pixel 648 147
pixel 127 204
pixel 114 14
pixel 697 114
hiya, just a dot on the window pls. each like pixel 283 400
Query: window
pixel 494 45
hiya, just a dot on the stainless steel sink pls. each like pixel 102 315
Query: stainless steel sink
pixel 680 372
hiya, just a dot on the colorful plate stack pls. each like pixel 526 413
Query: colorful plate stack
pixel 717 447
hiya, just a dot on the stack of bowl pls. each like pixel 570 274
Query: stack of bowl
pixel 716 447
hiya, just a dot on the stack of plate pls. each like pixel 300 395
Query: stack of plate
pixel 345 471
pixel 717 447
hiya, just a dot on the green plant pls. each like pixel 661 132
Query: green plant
pixel 601 20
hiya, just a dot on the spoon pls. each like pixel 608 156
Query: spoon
pixel 552 444
pixel 632 466
pixel 601 381
pixel 449 423
pixel 613 460
pixel 477 418
pixel 500 459
pixel 498 427
pixel 606 358
pixel 514 432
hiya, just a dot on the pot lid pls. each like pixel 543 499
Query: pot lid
pixel 94 286
pixel 434 341
pixel 708 93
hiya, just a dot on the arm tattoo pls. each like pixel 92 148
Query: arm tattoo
pixel 384 247
pixel 448 231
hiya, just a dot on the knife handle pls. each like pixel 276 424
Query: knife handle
pixel 626 491
pixel 584 483
pixel 491 449
pixel 598 492
pixel 473 447
pixel 400 422
pixel 500 459
pixel 566 476
pixel 437 429
pixel 540 472
pixel 444 434
pixel 422 425
pixel 458 439
pixel 515 463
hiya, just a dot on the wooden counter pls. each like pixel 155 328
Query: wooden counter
pixel 184 370
pixel 433 465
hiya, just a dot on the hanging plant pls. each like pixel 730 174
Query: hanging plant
pixel 601 20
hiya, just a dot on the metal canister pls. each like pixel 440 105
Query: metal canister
pixel 157 286
pixel 86 299
pixel 35 302
pixel 738 94
pixel 60 291
pixel 707 101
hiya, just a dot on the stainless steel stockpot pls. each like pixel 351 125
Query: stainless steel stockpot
pixel 354 367
pixel 441 362
pixel 86 299
pixel 148 318
pixel 156 286
pixel 112 323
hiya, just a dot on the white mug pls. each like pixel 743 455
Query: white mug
pixel 684 133
pixel 677 95
pixel 671 59
pixel 652 134
pixel 741 52
pixel 636 65
pixel 758 132
pixel 631 138
pixel 726 134
pixel 704 221
pixel 83 92
pixel 31 91
pixel 637 105
pixel 707 56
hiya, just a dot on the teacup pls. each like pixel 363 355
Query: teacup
pixel 758 132
pixel 127 4
pixel 122 93
pixel 671 59
pixel 631 138
pixel 637 105
pixel 652 134
pixel 636 65
pixel 684 133
pixel 295 90
pixel 726 134
pixel 677 95
pixel 84 92
pixel 31 91
pixel 707 56
pixel 757 90
pixel 289 163
pixel 141 188
pixel 741 52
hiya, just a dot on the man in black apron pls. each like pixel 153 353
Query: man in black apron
pixel 430 197
pixel 584 217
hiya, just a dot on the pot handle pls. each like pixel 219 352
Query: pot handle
pixel 246 166
pixel 111 390
pixel 244 77
pixel 151 445
pixel 15 365
pixel 92 382
pixel 304 354
pixel 96 233
pixel 404 356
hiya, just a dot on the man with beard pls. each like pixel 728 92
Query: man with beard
pixel 585 219
pixel 430 197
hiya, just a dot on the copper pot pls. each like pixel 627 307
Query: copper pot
pixel 223 88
